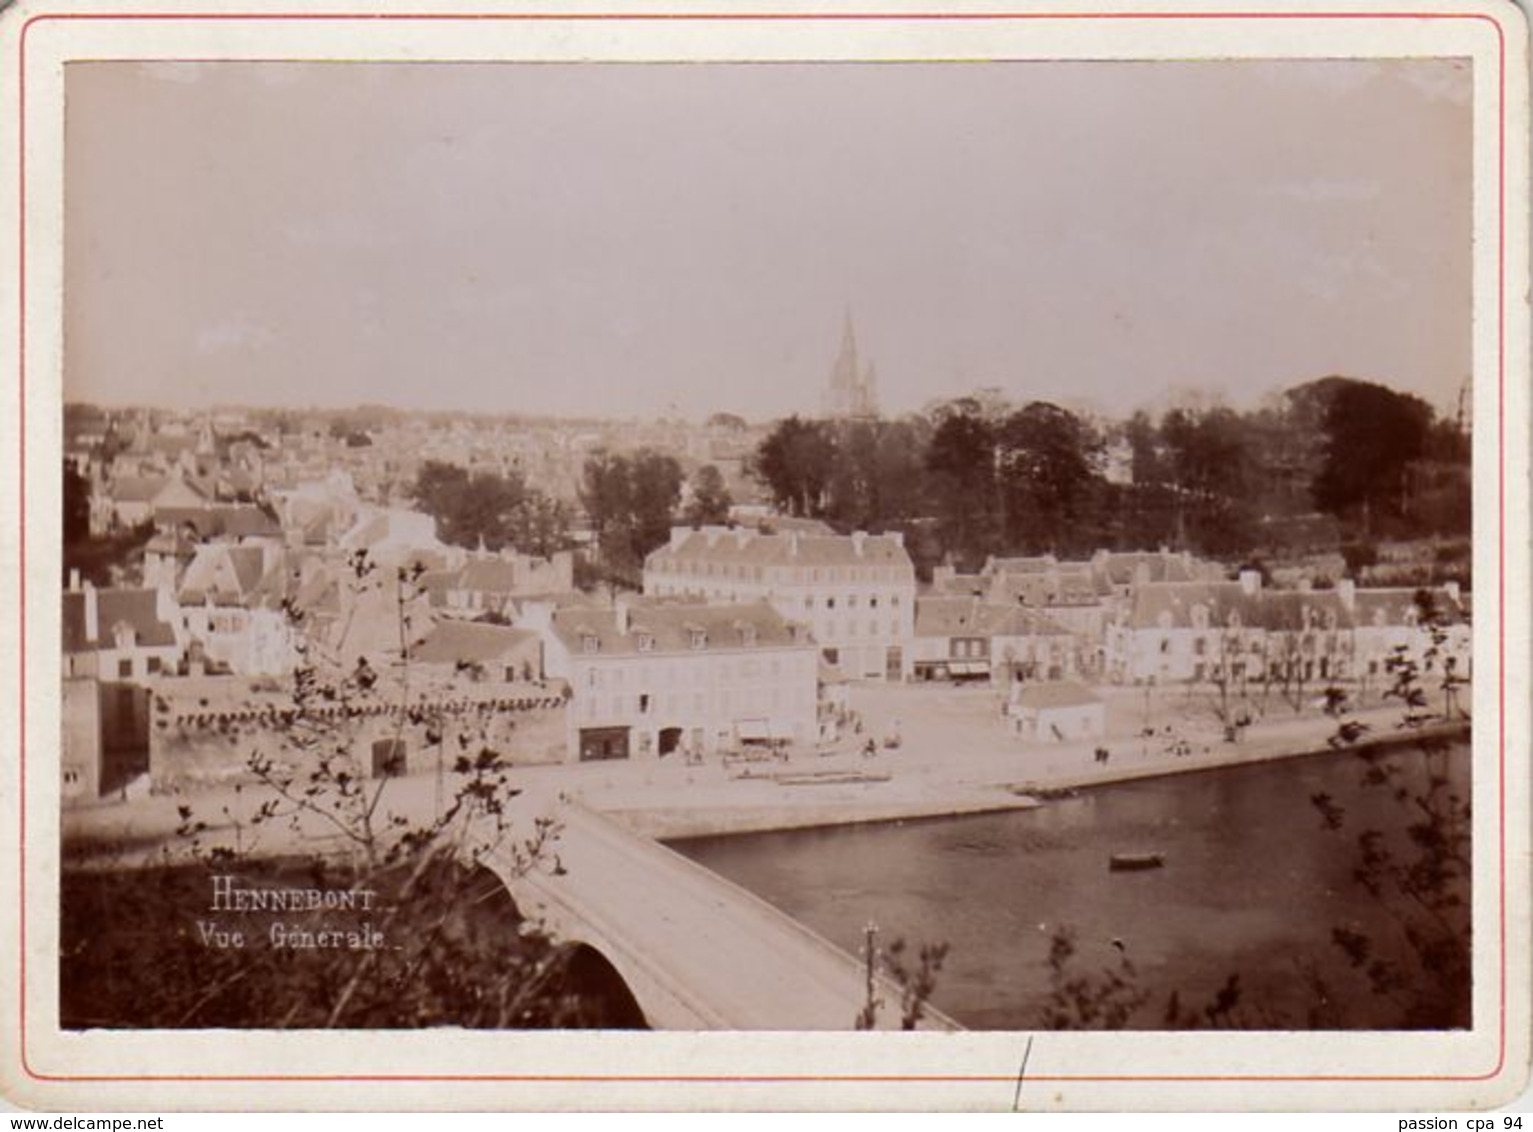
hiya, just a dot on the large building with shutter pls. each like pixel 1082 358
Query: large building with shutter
pixel 680 679
pixel 855 593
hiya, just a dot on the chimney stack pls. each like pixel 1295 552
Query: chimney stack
pixel 858 539
pixel 1346 589
pixel 1250 582
pixel 92 616
pixel 620 609
pixel 74 579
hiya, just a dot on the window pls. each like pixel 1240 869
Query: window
pixel 154 664
pixel 646 642
pixel 590 643
pixel 748 635
pixel 644 703
pixel 830 603
pixel 851 601
pixel 124 668
pixel 697 638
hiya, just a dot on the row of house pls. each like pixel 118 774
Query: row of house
pixel 738 637
pixel 1239 631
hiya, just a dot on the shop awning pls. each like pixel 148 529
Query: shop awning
pixel 969 667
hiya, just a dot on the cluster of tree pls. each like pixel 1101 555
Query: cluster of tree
pixel 710 499
pixel 102 560
pixel 630 501
pixel 978 475
pixel 490 509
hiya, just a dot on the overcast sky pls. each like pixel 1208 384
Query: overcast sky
pixel 644 239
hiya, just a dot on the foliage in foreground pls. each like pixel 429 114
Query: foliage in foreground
pixel 144 949
pixel 408 929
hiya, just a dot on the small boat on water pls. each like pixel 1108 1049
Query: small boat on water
pixel 1133 862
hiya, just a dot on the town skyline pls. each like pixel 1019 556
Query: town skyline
pixel 397 244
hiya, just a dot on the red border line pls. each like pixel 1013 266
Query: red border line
pixel 748 17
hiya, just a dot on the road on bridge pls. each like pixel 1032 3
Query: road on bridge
pixel 698 951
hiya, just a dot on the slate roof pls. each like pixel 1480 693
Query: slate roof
pixel 1162 566
pixel 1061 586
pixel 470 641
pixel 788 549
pixel 972 617
pixel 1391 605
pixel 136 607
pixel 671 627
pixel 1274 610
pixel 1179 599
pixel 1036 564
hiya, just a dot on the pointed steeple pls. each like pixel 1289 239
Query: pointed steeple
pixel 841 392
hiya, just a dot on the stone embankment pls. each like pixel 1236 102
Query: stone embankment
pixel 896 786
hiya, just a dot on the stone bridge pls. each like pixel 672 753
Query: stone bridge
pixel 698 952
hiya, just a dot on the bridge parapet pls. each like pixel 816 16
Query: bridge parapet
pixel 697 951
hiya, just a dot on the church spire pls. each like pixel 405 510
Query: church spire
pixel 851 389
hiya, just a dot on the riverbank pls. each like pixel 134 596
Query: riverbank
pixel 953 761
pixel 904 786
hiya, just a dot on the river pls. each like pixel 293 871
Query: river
pixel 1252 885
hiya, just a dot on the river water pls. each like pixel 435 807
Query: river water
pixel 1252 885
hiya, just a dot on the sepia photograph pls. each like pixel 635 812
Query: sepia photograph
pixel 773 545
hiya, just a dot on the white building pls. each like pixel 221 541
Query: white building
pixel 120 634
pixel 856 593
pixel 968 638
pixel 230 603
pixel 656 680
pixel 1062 712
pixel 1209 631
pixel 492 583
pixel 1402 622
